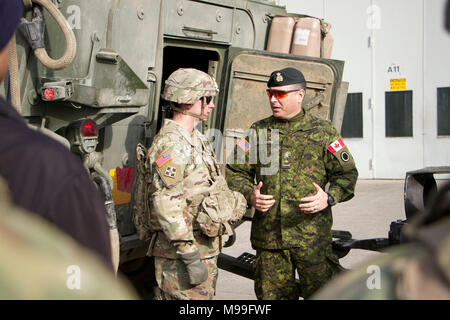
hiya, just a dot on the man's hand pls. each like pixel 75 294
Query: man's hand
pixel 261 202
pixel 315 203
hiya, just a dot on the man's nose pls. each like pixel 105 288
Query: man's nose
pixel 272 98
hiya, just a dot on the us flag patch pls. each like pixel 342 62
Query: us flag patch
pixel 163 159
pixel 244 145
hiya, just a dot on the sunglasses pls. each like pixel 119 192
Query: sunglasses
pixel 279 94
pixel 208 99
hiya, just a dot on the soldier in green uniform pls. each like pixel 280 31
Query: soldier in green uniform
pixel 291 228
pixel 191 203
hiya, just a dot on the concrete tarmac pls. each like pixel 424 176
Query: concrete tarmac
pixel 368 215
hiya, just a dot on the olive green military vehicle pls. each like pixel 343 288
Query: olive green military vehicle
pixel 96 85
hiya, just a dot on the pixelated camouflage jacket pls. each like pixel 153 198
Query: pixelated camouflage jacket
pixel 298 157
pixel 179 186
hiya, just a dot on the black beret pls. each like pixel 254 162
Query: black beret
pixel 10 14
pixel 285 77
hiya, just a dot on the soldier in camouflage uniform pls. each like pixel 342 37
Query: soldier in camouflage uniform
pixel 185 174
pixel 291 229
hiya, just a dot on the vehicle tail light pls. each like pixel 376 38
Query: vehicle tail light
pixel 89 129
pixel 49 94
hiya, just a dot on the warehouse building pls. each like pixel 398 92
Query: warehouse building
pixel 396 62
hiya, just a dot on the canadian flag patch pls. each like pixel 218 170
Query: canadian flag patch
pixel 336 146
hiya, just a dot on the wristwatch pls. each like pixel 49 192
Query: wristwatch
pixel 331 200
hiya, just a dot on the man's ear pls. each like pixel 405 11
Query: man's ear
pixel 301 95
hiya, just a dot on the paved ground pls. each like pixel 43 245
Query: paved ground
pixel 368 215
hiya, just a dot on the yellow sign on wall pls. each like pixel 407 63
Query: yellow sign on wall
pixel 398 84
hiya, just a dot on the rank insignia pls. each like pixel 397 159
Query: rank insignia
pixel 170 172
pixel 244 145
pixel 279 77
pixel 163 159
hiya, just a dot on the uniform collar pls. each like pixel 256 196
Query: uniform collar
pixel 299 122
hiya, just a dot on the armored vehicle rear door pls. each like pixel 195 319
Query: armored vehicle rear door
pixel 245 100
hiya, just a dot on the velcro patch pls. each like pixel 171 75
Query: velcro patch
pixel 344 158
pixel 244 145
pixel 163 159
pixel 171 174
pixel 336 146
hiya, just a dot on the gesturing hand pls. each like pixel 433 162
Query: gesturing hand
pixel 314 203
pixel 261 202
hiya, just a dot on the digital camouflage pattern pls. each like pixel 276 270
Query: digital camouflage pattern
pixel 188 86
pixel 173 280
pixel 37 259
pixel 299 152
pixel 221 209
pixel 275 277
pixel 183 170
pixel 175 204
pixel 143 181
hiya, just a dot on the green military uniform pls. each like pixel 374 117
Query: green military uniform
pixel 285 235
pixel 187 184
pixel 39 262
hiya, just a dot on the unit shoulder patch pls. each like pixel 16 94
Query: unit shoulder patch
pixel 340 151
pixel 168 170
pixel 170 174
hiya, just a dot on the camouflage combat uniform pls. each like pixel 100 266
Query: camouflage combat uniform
pixel 175 204
pixel 180 185
pixel 191 206
pixel 285 236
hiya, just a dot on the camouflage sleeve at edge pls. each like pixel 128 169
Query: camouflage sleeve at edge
pixel 240 176
pixel 169 204
pixel 341 175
